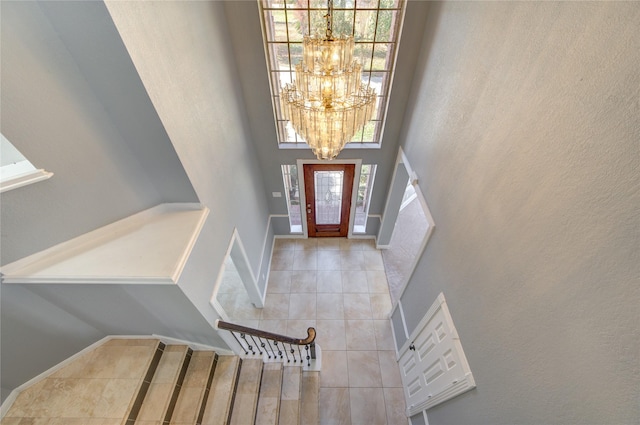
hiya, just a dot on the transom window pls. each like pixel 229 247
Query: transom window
pixel 375 26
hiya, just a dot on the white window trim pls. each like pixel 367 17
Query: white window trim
pixel 24 179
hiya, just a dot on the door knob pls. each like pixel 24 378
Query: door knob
pixel 309 211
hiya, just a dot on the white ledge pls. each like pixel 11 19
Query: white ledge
pixel 24 179
pixel 150 247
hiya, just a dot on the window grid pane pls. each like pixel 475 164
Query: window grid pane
pixel 373 23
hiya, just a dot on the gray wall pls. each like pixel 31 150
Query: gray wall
pixel 73 105
pixel 524 131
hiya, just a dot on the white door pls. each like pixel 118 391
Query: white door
pixel 433 366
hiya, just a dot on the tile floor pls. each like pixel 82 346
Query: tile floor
pixel 339 287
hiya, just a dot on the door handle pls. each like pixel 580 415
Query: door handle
pixel 309 211
pixel 412 347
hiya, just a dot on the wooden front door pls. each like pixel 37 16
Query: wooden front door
pixel 328 198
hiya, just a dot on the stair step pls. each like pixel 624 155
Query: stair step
pixel 310 397
pixel 194 392
pixel 269 398
pixel 161 396
pixel 220 399
pixel 290 398
pixel 246 399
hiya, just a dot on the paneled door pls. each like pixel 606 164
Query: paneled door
pixel 328 190
pixel 432 364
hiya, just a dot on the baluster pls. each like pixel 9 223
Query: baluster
pixel 263 345
pixel 256 344
pixel 299 354
pixel 278 348
pixel 249 346
pixel 286 354
pixel 293 353
pixel 242 346
pixel 306 347
pixel 271 348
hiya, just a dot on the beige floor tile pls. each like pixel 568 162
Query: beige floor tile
pixel 389 370
pixel 310 244
pixel 334 406
pixel 275 326
pixel 395 405
pixel 302 306
pixel 279 282
pixel 282 260
pixel 276 306
pixel 384 336
pixel 330 244
pixel 329 260
pixel 354 281
pixel 115 398
pixel 352 260
pixel 128 362
pixel 303 281
pixel 329 281
pixel 380 306
pixel 373 260
pixel 377 281
pixel 360 335
pixel 310 398
pixel 367 406
pixel 364 369
pixel 332 334
pixel 357 306
pixel 284 244
pixel 330 307
pixel 334 371
pixel 305 260
pixel 298 328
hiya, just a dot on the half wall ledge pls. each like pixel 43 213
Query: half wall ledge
pixel 150 247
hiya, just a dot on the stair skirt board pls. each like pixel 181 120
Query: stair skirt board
pixel 169 385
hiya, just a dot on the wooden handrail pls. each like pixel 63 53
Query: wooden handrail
pixel 311 333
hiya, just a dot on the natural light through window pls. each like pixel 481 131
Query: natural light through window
pixel 365 187
pixel 292 192
pixel 375 25
pixel 16 170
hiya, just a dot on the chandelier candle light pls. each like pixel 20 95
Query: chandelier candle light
pixel 328 103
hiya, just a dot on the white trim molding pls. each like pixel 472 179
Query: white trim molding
pixel 24 180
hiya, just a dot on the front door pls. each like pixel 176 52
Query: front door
pixel 328 195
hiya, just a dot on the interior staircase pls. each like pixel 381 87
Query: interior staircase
pixel 145 382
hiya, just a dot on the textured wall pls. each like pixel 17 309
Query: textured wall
pixel 524 130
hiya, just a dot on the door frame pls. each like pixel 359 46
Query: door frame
pixel 354 190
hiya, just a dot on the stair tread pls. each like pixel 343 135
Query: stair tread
pixel 221 393
pixel 269 397
pixel 310 396
pixel 156 402
pixel 244 406
pixel 290 396
pixel 194 388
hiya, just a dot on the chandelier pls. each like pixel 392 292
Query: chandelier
pixel 327 104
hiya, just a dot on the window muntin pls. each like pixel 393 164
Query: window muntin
pixel 375 25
